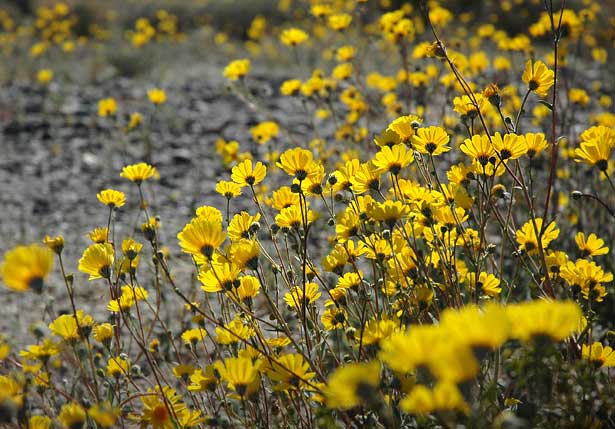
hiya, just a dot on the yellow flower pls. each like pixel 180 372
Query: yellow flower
pixel 290 87
pixel 194 336
pixel 234 332
pixel 99 235
pixel 103 333
pixel 555 320
pixel 339 22
pixel 135 120
pixel 156 96
pixel 237 69
pixel 297 162
pixel 5 349
pixel 297 295
pixel 241 375
pixel 209 213
pixel 160 409
pixel 104 414
pixel 139 172
pixel 72 416
pixel 291 371
pixel 44 76
pixel 97 261
pixel 107 107
pixel 405 127
pixel 293 37
pixel 378 330
pixel 264 132
pixel 131 248
pixel 55 244
pixel 365 179
pixel 117 367
pixel 479 148
pixel 334 318
pixel 41 352
pixel 444 397
pixel 228 189
pixel 527 239
pixel 592 246
pixel 219 276
pixel 598 354
pixel 595 153
pixel 535 144
pixel 388 212
pixel 431 140
pixel 40 422
pixel 26 267
pixel 352 384
pixel 511 146
pixel 201 237
pixel 246 174
pixel 538 77
pixel 111 198
pixel 487 284
pixel 243 225
pixel 203 380
pixel 393 159
pixel 65 326
pixel 249 287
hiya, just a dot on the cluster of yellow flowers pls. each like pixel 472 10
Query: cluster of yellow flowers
pixel 421 265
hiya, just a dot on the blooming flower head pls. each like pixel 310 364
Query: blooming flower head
pixel 598 355
pixel 444 397
pixel 228 189
pixel 365 179
pixel 594 153
pixel 296 162
pixel 348 385
pixel 479 148
pixel 111 198
pixel 139 172
pixel 590 246
pixel 104 414
pixel 291 371
pixel 237 69
pixel 405 127
pixel 527 237
pixel 107 107
pixel 535 143
pixel 293 37
pixel 99 234
pixel 97 261
pixel 555 320
pixel 538 77
pixel 72 415
pixel 156 96
pixel 241 375
pixel 117 367
pixel 264 132
pixel 44 76
pixel 160 408
pixel 431 140
pixel 247 174
pixel 393 159
pixel 201 237
pixel 26 267
pixel 135 120
pixel 296 296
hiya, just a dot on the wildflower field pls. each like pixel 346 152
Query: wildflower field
pixel 307 214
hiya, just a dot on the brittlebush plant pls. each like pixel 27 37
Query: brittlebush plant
pixel 431 254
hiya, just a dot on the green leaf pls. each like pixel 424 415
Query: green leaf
pixel 549 105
